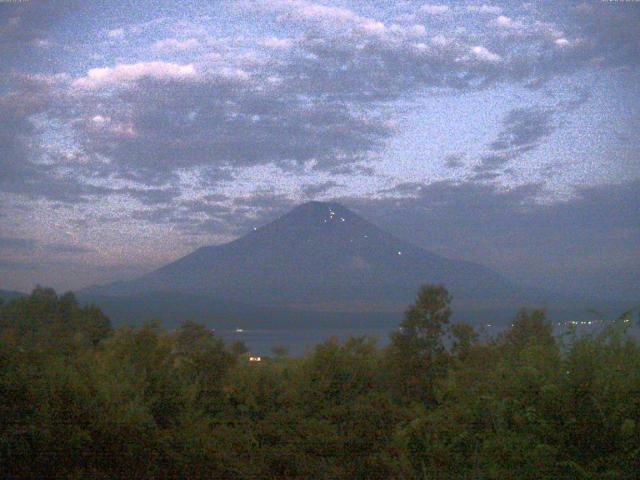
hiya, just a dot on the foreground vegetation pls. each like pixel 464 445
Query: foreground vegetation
pixel 80 400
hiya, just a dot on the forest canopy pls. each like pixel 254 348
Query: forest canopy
pixel 79 399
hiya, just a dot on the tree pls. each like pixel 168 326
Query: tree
pixel 239 348
pixel 464 338
pixel 58 323
pixel 529 328
pixel 280 351
pixel 417 352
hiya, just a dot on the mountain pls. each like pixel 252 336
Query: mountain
pixel 320 257
pixel 8 295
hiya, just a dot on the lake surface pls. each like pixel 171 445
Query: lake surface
pixel 300 341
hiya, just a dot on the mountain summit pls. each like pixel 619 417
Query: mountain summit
pixel 318 256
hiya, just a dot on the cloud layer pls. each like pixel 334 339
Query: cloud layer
pixel 202 127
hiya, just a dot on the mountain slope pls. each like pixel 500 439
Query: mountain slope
pixel 319 256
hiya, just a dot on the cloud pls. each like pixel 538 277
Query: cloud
pixel 490 162
pixel 148 196
pixel 312 190
pixel 431 9
pixel 162 215
pixel 23 27
pixel 63 248
pixel 116 33
pixel 524 127
pixel 503 21
pixel 29 170
pixel 277 43
pixel 173 45
pixel 485 55
pixel 12 265
pixel 316 97
pixel 227 220
pixel 523 130
pixel 16 244
pixel 301 10
pixel 126 74
pixel 308 87
pixel 43 43
pixel 485 9
pixel 205 125
pixel 579 245
pixel 454 160
pixel 217 215
pixel 610 32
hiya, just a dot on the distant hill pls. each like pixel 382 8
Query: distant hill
pixel 8 295
pixel 321 257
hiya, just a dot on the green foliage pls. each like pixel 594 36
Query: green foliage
pixel 78 400
pixel 417 357
pixel 45 320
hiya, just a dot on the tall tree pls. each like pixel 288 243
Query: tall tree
pixel 417 352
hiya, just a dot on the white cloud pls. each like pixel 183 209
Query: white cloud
pixel 329 16
pixel 505 22
pixel 400 30
pixel 230 73
pixel 562 42
pixel 123 74
pixel 430 9
pixel 486 9
pixel 405 18
pixel 276 43
pixel 302 10
pixel 417 30
pixel 115 33
pixel 172 45
pixel 485 55
pixel 126 130
pixel 440 40
pixel 41 43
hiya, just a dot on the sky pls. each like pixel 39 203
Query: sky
pixel 504 133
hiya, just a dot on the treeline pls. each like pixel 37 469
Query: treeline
pixel 81 400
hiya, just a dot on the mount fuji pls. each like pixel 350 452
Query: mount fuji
pixel 320 256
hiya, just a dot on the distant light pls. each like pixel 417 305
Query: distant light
pixel 342 219
pixel 365 236
pixel 239 330
pixel 399 253
pixel 255 359
pixel 255 228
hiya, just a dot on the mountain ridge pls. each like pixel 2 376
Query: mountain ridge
pixel 318 255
